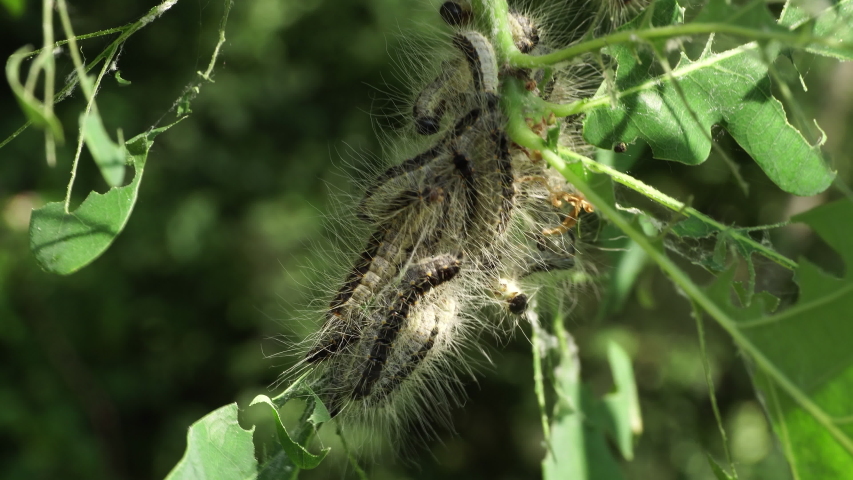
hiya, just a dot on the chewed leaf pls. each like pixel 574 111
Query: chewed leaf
pixel 802 355
pixel 297 453
pixel 66 242
pixel 109 155
pixel 729 88
pixel 582 423
pixel 217 448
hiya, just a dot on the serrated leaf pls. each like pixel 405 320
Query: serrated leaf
pixel 730 89
pixel 66 242
pixel 578 445
pixel 820 20
pixel 803 356
pixel 217 448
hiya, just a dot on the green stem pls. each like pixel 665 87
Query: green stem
pixel 49 70
pixel 538 377
pixel 706 366
pixel 516 92
pixel 521 134
pixel 586 104
pixel 126 31
pixel 521 60
pixel 678 206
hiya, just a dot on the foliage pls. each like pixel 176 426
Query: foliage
pixel 797 355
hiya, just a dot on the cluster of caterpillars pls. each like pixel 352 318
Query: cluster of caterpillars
pixel 453 228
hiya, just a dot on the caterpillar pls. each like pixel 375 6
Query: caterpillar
pixel 457 229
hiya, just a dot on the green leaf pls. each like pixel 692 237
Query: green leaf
pixel 831 21
pixel 300 457
pixel 629 260
pixel 217 448
pixel 32 107
pixel 803 356
pixel 66 242
pixel 288 456
pixel 753 15
pixel 579 447
pixel 108 155
pixel 730 89
pixel 623 404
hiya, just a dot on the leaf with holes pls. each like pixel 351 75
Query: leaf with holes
pixel 217 448
pixel 582 423
pixel 66 242
pixel 801 358
pixel 729 88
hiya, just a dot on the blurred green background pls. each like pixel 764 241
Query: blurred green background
pixel 101 372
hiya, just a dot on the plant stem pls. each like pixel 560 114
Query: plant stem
pixel 518 59
pixel 521 134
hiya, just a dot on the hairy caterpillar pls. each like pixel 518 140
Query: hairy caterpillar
pixel 456 228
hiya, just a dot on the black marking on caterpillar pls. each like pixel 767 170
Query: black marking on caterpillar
pixel 466 122
pixel 454 14
pixel 432 102
pixel 357 274
pixel 418 280
pixel 481 60
pixel 412 363
pixel 408 166
pixel 504 162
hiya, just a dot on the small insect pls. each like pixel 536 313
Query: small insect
pixel 620 147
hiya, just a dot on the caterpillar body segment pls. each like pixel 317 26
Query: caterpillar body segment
pixel 525 34
pixel 385 254
pixel 449 88
pixel 467 224
pixel 482 63
pixel 418 281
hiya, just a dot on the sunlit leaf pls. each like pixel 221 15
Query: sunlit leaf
pixel 729 88
pixel 217 448
pixel 805 370
pixel 66 242
pixel 581 423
